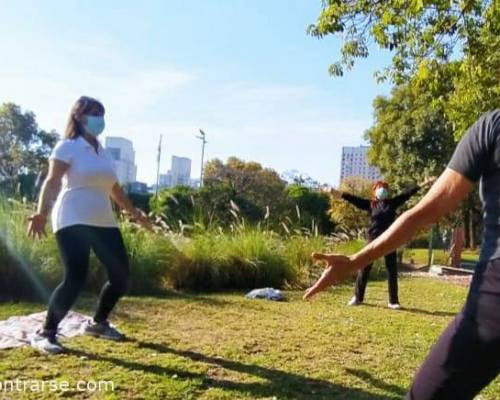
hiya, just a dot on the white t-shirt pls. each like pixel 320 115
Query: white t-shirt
pixel 84 198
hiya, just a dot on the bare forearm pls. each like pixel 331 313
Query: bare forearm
pixel 123 201
pixel 400 232
pixel 48 194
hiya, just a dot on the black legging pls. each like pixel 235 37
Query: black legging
pixel 466 357
pixel 392 279
pixel 74 244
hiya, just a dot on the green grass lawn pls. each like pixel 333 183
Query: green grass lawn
pixel 421 256
pixel 222 346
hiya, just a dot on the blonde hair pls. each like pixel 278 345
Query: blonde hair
pixel 82 106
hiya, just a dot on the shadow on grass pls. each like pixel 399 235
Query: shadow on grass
pixel 280 384
pixel 134 366
pixel 375 382
pixel 417 311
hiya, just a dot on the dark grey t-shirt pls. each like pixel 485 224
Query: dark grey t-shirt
pixel 477 157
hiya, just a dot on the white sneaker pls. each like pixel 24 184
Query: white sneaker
pixel 354 302
pixel 46 342
pixel 104 330
pixel 394 306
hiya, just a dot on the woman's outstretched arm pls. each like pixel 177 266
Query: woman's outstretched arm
pixel 358 202
pixel 405 195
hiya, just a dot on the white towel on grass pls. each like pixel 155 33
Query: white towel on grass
pixel 18 331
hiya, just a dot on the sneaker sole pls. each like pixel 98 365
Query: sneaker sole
pixel 46 352
pixel 100 336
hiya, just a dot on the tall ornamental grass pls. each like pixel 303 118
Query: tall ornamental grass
pixel 207 258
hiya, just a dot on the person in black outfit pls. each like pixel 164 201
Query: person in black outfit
pixel 383 213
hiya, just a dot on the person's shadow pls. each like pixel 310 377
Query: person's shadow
pixel 277 383
pixel 417 311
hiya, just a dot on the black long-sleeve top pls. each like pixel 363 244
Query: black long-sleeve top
pixel 382 212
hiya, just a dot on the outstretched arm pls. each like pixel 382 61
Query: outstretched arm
pixel 358 202
pixel 444 196
pixel 405 195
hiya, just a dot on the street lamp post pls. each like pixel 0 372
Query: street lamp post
pixel 158 169
pixel 203 141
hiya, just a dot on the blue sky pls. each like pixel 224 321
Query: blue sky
pixel 245 72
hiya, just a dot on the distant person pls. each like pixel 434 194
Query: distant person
pixel 457 246
pixel 382 210
pixel 466 357
pixel 81 179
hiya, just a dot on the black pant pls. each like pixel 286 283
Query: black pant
pixel 74 244
pixel 392 274
pixel 466 357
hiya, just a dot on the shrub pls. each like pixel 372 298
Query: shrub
pixel 241 260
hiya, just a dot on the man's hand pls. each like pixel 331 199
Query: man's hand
pixel 338 269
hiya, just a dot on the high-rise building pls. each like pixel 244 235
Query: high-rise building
pixel 179 173
pixel 123 154
pixel 355 163
pixel 166 179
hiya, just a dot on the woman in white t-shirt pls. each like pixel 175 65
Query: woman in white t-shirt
pixel 81 181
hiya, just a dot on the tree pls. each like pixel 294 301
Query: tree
pixel 296 177
pixel 24 148
pixel 477 87
pixel 175 205
pixel 261 187
pixel 418 32
pixel 426 37
pixel 409 139
pixel 311 206
pixel 219 204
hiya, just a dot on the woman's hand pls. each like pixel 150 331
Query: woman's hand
pixel 120 198
pixel 336 194
pixel 36 225
pixel 143 220
pixel 338 269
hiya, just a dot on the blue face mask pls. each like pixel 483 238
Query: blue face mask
pixel 94 125
pixel 381 193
